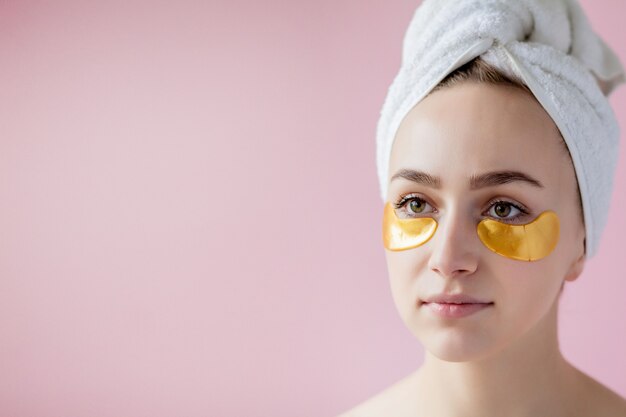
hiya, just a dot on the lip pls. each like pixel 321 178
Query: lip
pixel 454 299
pixel 455 310
pixel 454 305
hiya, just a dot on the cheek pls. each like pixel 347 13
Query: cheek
pixel 571 245
pixel 535 284
pixel 402 268
pixel 528 289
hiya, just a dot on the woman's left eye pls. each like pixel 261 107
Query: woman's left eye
pixel 504 209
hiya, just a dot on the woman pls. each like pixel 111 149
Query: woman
pixel 483 225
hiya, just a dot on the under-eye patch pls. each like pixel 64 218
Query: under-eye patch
pixel 524 242
pixel 400 234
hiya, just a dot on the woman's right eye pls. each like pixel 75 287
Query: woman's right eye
pixel 412 205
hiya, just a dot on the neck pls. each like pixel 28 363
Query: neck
pixel 527 378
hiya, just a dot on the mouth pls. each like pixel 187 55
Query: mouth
pixel 455 310
pixel 458 298
pixel 454 304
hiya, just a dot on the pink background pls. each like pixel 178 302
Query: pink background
pixel 190 218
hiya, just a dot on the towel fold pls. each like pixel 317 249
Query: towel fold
pixel 550 45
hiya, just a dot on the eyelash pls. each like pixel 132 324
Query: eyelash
pixel 403 200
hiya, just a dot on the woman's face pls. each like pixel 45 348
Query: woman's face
pixel 463 132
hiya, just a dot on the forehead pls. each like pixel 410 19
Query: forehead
pixel 471 128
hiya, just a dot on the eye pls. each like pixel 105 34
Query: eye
pixel 412 205
pixel 505 210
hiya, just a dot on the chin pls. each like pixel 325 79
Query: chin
pixel 457 355
pixel 459 347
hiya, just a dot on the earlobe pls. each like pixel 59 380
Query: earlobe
pixel 576 268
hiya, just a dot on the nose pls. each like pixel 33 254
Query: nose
pixel 455 251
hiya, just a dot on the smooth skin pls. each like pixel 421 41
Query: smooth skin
pixel 504 360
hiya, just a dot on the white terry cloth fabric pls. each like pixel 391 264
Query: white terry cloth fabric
pixel 551 46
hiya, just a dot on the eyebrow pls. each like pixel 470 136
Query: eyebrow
pixel 488 179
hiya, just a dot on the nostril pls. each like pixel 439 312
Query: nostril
pixel 451 272
pixel 453 260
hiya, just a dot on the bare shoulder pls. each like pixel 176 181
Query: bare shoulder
pixel 390 401
pixel 603 401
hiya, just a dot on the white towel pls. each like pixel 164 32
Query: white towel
pixel 547 43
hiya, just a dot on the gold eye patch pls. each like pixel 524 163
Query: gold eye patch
pixel 525 242
pixel 401 234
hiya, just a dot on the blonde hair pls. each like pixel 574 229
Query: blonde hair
pixel 479 70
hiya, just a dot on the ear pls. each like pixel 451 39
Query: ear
pixel 576 268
